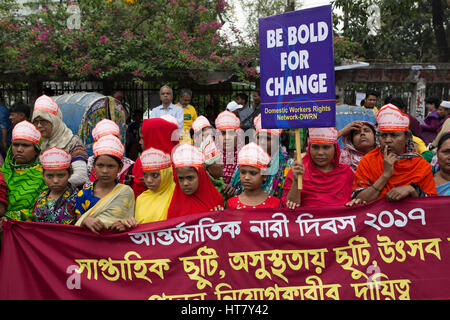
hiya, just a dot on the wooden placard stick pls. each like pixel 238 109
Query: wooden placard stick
pixel 298 146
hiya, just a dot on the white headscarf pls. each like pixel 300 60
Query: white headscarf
pixel 61 134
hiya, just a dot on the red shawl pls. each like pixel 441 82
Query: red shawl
pixel 320 188
pixel 156 133
pixel 203 200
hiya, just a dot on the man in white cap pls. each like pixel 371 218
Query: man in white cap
pixel 234 107
pixel 242 111
pixel 444 115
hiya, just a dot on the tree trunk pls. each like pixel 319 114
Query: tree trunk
pixel 290 5
pixel 439 31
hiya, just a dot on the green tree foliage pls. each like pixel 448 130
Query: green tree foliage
pixel 406 34
pixel 138 38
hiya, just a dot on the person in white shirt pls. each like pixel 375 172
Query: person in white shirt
pixel 167 107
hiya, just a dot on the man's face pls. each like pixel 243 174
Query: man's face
pixel 370 101
pixel 256 98
pixel 166 96
pixel 239 100
pixel 185 100
pixel 443 112
pixel 17 117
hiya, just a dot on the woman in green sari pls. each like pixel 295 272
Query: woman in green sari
pixel 23 172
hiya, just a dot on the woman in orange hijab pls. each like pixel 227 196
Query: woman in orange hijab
pixel 392 170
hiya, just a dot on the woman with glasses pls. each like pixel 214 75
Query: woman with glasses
pixel 47 118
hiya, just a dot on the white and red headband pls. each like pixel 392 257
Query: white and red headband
pixel 227 120
pixel 55 159
pixel 27 131
pixel 390 118
pixel 47 104
pixel 200 123
pixel 323 135
pixel 104 128
pixel 109 145
pixel 186 155
pixel 154 160
pixel 253 155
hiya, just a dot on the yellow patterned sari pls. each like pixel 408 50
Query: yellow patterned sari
pixel 118 204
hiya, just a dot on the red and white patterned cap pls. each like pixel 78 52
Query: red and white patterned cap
pixel 45 103
pixel 154 160
pixel 253 155
pixel 186 155
pixel 27 131
pixel 227 120
pixel 104 128
pixel 210 151
pixel 258 127
pixel 109 145
pixel 170 118
pixel 390 118
pixel 200 123
pixel 323 135
pixel 55 159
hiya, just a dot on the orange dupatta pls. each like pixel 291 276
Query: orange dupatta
pixel 406 171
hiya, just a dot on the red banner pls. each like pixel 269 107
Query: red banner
pixel 379 251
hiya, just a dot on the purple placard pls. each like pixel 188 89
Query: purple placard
pixel 297 69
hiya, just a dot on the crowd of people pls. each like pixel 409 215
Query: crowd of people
pixel 189 165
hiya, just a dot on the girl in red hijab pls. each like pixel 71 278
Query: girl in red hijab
pixel 194 191
pixel 326 182
pixel 156 133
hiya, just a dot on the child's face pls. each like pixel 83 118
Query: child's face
pixel 57 180
pixel 188 180
pixel 251 177
pixel 106 169
pixel 152 180
pixel 228 139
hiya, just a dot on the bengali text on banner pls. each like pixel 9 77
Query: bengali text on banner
pixel 384 250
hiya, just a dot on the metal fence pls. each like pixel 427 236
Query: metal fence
pixel 14 92
pixel 208 100
pixel 391 89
